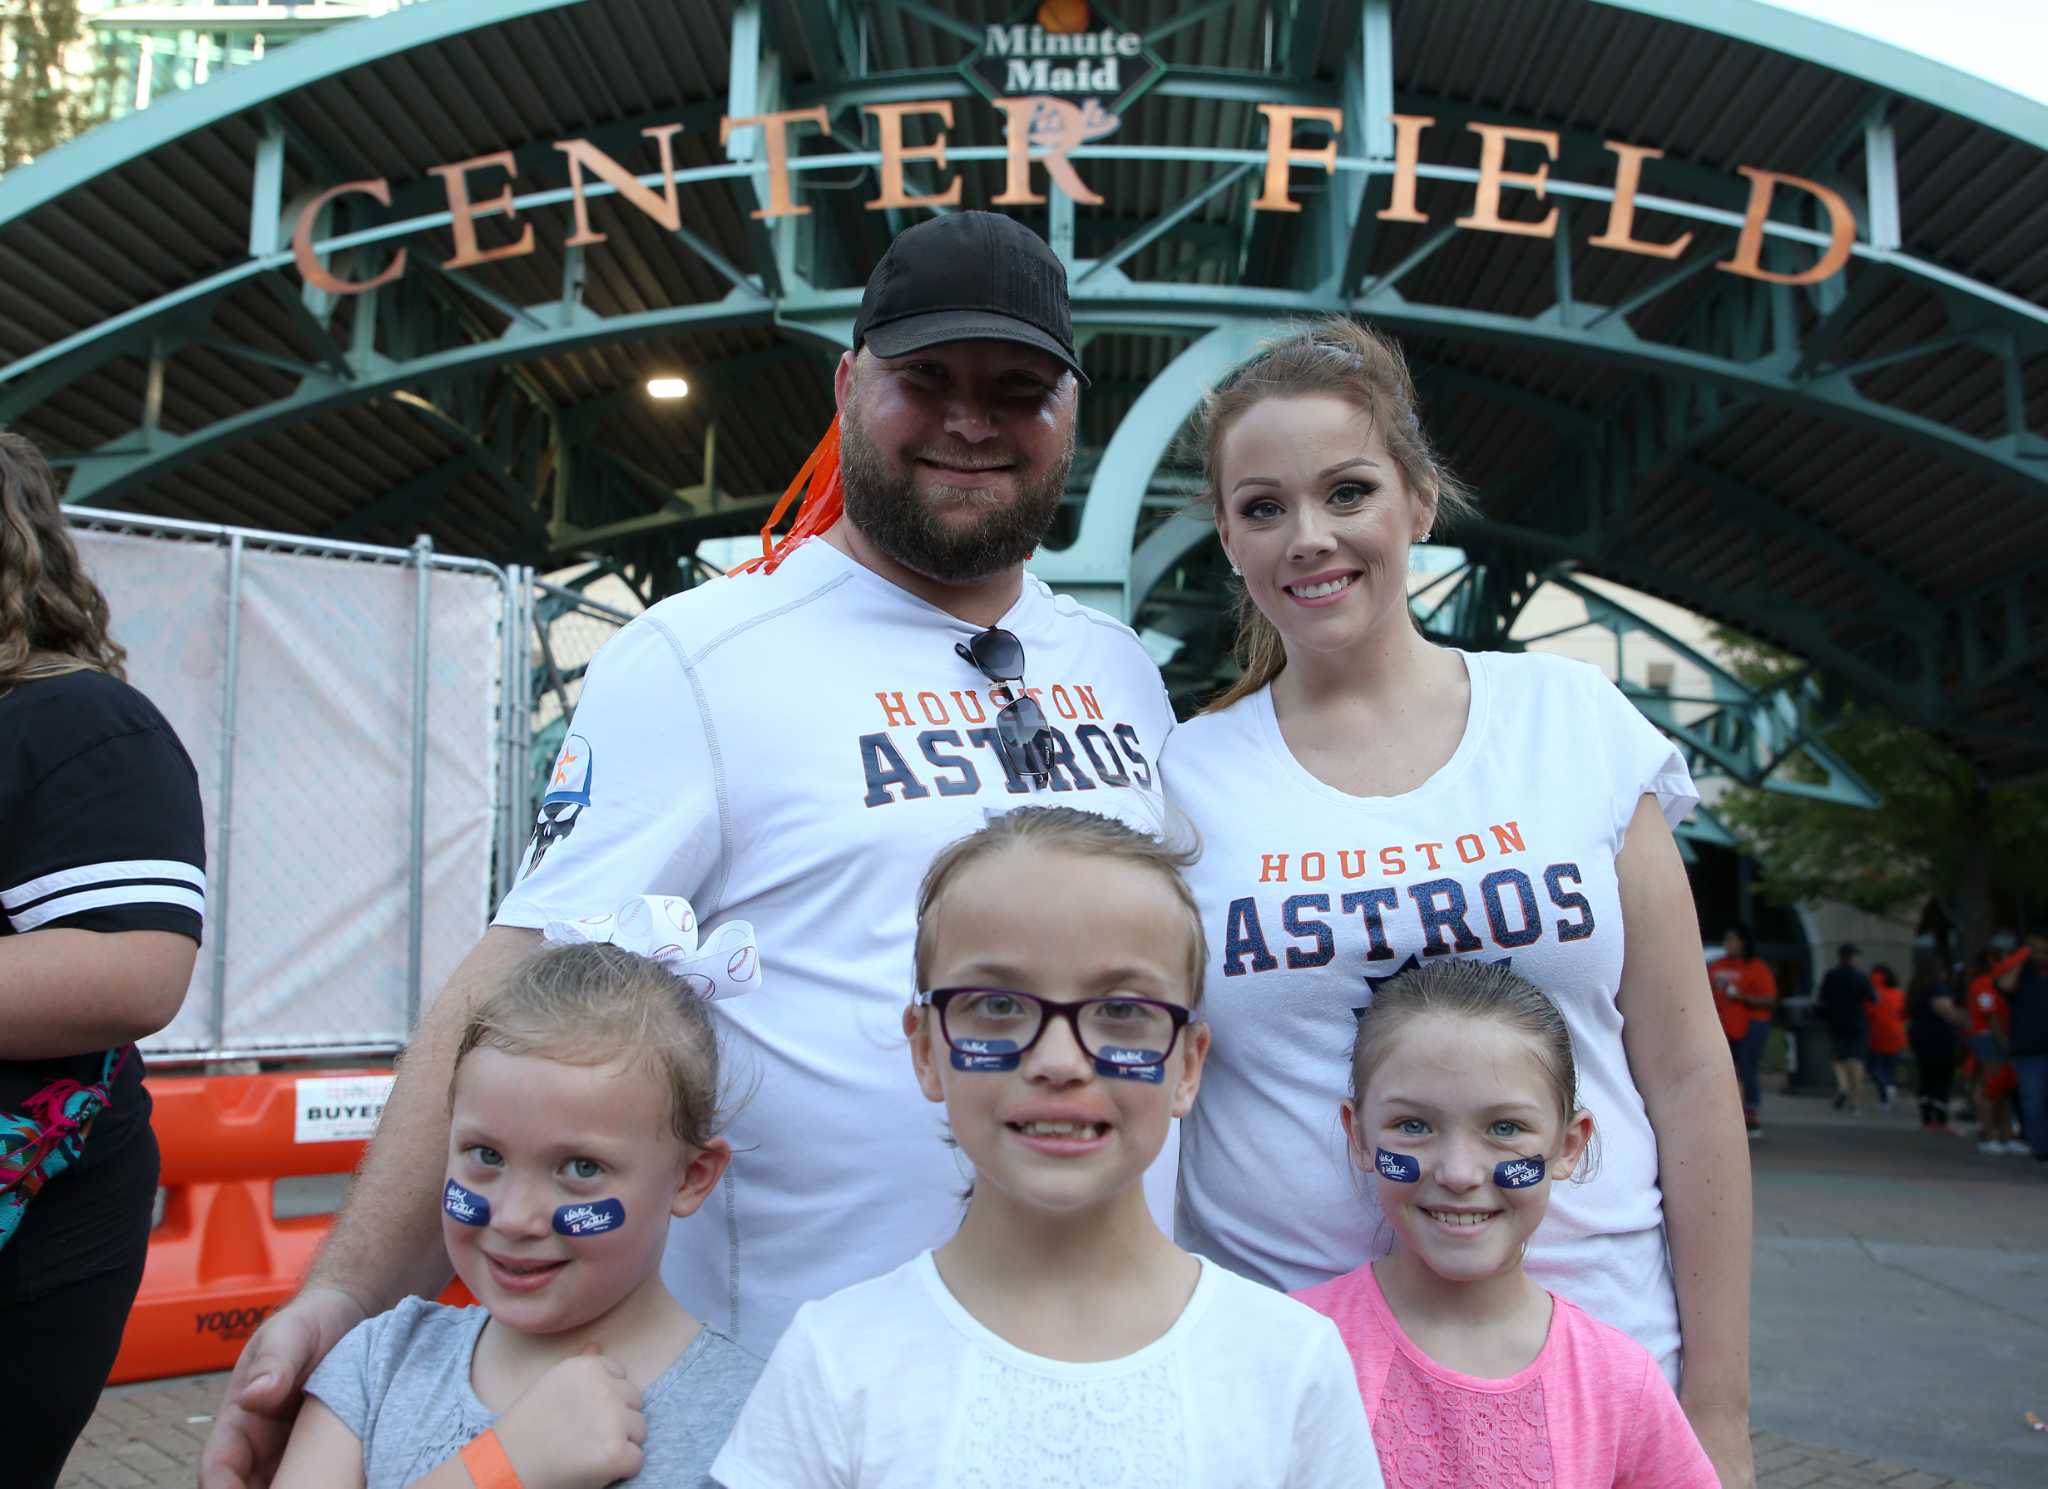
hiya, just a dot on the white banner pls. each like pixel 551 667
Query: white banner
pixel 318 834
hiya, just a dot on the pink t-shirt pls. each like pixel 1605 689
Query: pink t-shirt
pixel 1591 1409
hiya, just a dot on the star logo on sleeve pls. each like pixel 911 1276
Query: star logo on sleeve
pixel 1374 984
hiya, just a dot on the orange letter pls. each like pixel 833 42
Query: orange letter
pixel 1280 151
pixel 1621 216
pixel 889 117
pixel 1509 837
pixel 775 131
pixel 315 272
pixel 663 209
pixel 1056 125
pixel 1272 866
pixel 893 711
pixel 465 212
pixel 1493 150
pixel 1407 148
pixel 1749 248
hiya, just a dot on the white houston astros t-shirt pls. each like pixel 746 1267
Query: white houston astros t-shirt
pixel 792 749
pixel 1309 895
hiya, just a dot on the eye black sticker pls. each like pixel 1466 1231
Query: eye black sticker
pixel 470 1209
pixel 986 1055
pixel 1519 1173
pixel 1397 1166
pixel 592 1219
pixel 1131 1064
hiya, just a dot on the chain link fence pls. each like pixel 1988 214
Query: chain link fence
pixel 360 721
pixel 568 628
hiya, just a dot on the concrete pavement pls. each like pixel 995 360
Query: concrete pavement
pixel 1900 1307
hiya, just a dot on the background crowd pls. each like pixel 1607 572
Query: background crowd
pixel 1971 1038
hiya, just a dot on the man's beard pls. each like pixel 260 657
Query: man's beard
pixel 908 528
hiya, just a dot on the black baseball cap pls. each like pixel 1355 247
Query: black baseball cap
pixel 968 276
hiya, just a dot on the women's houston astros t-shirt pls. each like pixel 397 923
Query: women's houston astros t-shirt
pixel 1311 896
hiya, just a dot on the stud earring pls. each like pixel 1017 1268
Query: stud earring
pixel 1236 572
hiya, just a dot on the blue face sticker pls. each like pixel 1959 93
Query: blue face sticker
pixel 470 1209
pixel 1519 1173
pixel 1397 1166
pixel 593 1219
pixel 1130 1064
pixel 986 1055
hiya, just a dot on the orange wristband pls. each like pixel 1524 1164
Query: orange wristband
pixel 485 1459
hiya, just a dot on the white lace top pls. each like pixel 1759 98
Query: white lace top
pixel 893 1383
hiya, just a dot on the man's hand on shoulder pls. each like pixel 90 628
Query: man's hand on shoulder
pixel 262 1401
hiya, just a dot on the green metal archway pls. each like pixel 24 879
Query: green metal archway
pixel 1630 417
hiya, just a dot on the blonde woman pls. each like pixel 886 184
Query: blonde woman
pixel 1369 802
pixel 102 889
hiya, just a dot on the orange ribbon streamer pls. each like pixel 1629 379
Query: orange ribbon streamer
pixel 822 499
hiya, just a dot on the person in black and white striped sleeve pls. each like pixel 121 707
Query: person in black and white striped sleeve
pixel 102 895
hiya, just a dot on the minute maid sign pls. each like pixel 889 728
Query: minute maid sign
pixel 1059 50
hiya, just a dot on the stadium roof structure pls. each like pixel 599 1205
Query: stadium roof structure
pixel 1704 297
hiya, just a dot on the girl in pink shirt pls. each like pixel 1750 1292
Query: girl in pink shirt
pixel 1463 1113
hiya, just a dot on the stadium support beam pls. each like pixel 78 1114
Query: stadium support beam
pixel 1746 734
pixel 1722 347
pixel 1893 68
pixel 434 332
pixel 1096 567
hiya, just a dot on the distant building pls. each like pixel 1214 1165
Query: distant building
pixel 128 55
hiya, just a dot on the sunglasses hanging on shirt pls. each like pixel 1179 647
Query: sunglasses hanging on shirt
pixel 1022 732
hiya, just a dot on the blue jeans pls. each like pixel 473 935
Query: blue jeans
pixel 2033 1073
pixel 1749 1053
pixel 1884 1072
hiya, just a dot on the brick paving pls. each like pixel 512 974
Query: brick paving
pixel 1782 1463
pixel 146 1436
pixel 149 1436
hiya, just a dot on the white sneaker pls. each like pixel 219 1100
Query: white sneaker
pixel 2019 1149
pixel 1989 1146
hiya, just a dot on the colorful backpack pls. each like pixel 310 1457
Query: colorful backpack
pixel 41 1142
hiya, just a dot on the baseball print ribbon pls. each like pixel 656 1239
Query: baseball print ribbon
pixel 724 964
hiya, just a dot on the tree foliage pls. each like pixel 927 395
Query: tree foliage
pixel 42 102
pixel 1941 832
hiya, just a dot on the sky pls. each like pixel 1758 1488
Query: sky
pixel 2005 41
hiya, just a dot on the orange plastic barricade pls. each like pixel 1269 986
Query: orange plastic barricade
pixel 219 1263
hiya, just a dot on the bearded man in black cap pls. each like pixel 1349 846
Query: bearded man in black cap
pixel 790 747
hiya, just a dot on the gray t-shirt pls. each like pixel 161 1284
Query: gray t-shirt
pixel 401 1383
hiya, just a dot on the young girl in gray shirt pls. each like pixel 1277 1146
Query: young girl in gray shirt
pixel 583 1114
